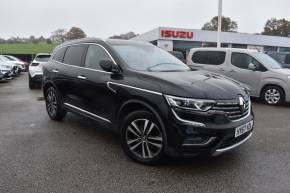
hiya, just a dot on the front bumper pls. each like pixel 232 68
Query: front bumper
pixel 213 138
pixel 4 76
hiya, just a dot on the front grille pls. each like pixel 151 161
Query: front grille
pixel 233 110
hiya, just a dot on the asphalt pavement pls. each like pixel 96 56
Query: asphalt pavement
pixel 77 155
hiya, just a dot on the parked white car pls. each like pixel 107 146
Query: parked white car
pixel 12 59
pixel 35 70
pixel 12 66
pixel 263 75
pixel 5 72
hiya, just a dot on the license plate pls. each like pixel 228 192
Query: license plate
pixel 244 129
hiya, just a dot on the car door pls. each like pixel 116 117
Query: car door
pixel 240 71
pixel 97 99
pixel 66 74
pixel 214 61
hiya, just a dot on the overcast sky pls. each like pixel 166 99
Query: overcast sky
pixel 104 18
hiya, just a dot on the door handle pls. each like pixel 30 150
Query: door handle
pixel 81 77
pixel 55 71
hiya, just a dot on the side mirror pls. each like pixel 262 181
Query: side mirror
pixel 252 67
pixel 109 66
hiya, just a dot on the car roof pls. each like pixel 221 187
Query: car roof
pixel 83 40
pixel 225 49
pixel 108 41
pixel 126 42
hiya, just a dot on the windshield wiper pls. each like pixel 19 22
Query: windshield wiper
pixel 154 66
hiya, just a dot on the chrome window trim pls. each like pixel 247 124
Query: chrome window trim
pixel 133 87
pixel 220 151
pixel 82 67
pixel 77 44
pixel 197 124
pixel 89 113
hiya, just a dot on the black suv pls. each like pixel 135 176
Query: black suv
pixel 157 104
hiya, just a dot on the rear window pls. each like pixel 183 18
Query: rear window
pixel 209 57
pixel 74 55
pixel 59 54
pixel 42 58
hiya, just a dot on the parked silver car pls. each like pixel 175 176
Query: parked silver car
pixel 263 75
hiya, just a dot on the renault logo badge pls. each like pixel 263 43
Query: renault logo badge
pixel 242 104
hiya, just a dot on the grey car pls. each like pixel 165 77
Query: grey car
pixel 265 77
pixel 282 57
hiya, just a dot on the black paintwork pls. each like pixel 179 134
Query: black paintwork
pixel 110 95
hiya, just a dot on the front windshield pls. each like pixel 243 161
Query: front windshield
pixel 267 60
pixel 149 58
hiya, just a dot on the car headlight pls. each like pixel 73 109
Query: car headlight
pixel 190 104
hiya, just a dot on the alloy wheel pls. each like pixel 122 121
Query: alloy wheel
pixel 51 102
pixel 272 96
pixel 144 138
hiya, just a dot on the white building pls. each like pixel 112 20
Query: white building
pixel 178 39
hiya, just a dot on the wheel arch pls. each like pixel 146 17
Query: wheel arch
pixel 134 105
pixel 267 85
pixel 48 84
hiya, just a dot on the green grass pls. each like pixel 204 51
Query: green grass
pixel 26 48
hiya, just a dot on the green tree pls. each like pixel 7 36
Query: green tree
pixel 125 36
pixel 75 33
pixel 277 27
pixel 228 25
pixel 58 36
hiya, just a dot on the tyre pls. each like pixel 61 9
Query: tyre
pixel 273 95
pixel 31 83
pixel 142 138
pixel 53 105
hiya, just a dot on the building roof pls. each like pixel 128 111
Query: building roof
pixel 211 36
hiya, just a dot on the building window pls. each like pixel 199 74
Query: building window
pixel 243 46
pixel 224 45
pixel 209 44
pixel 284 49
pixel 270 49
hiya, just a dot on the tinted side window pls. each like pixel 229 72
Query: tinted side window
pixel 94 55
pixel 74 55
pixel 209 57
pixel 59 54
pixel 241 60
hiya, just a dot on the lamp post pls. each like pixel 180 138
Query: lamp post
pixel 220 7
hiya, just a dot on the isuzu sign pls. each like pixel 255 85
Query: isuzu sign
pixel 178 34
